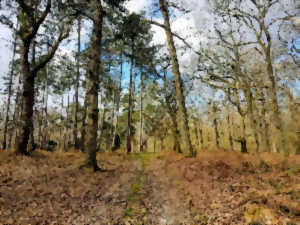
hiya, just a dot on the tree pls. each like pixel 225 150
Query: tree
pixel 27 31
pixel 182 112
pixel 75 128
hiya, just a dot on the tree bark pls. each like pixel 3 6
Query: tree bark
pixel 201 137
pixel 253 120
pixel 229 131
pixel 92 89
pixel 129 132
pixel 28 101
pixel 265 122
pixel 182 112
pixel 141 114
pixel 217 135
pixel 266 46
pixel 83 126
pixel 75 128
pixel 243 140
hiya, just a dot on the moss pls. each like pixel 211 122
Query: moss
pixel 128 212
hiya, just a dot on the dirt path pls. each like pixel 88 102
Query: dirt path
pixel 155 200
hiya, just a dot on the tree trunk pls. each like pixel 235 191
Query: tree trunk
pixel 243 140
pixel 27 101
pixel 18 109
pixel 92 89
pixel 229 131
pixel 182 112
pixel 115 90
pixel 31 144
pixel 45 122
pixel 253 120
pixel 118 101
pixel 201 137
pixel 83 126
pixel 154 145
pixel 216 127
pixel 62 123
pixel 67 132
pixel 40 123
pixel 75 128
pixel 9 93
pixel 273 89
pixel 141 113
pixel 129 133
pixel 172 112
pixel 28 71
pixel 265 122
pixel 196 134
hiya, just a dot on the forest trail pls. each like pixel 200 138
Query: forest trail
pixel 161 189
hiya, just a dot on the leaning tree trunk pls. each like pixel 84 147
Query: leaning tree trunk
pixel 9 93
pixel 182 112
pixel 92 87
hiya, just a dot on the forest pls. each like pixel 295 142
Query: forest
pixel 162 112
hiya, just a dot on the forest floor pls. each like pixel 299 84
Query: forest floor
pixel 159 189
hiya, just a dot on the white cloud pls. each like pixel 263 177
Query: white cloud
pixel 137 5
